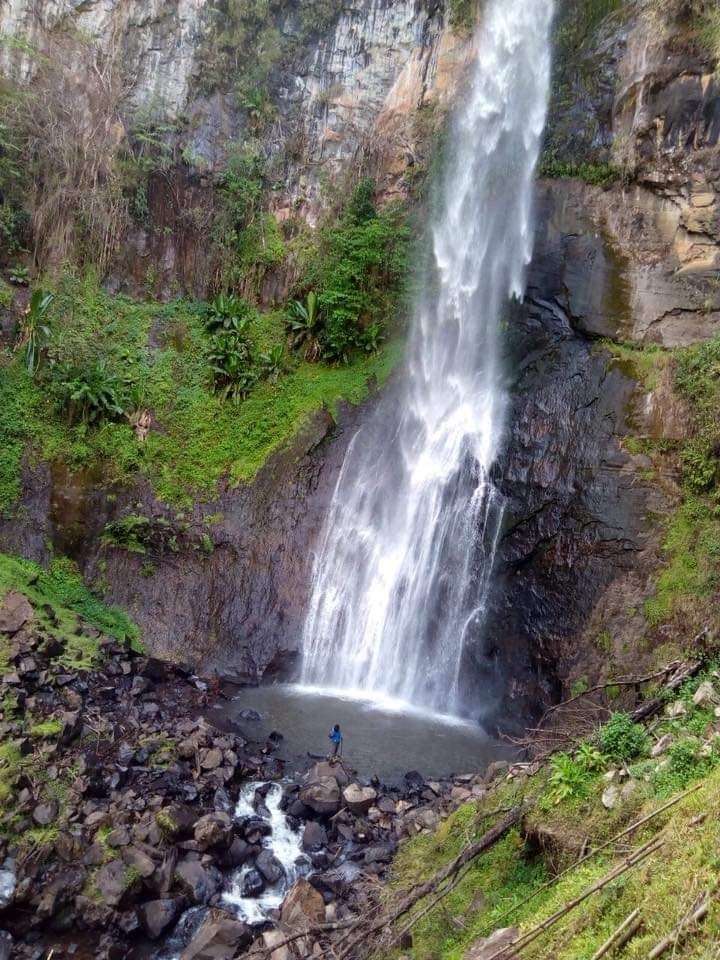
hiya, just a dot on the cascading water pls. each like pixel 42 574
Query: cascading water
pixel 401 578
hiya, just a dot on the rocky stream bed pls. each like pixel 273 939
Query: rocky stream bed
pixel 134 827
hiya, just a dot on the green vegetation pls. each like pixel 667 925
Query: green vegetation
pixel 621 740
pixel 689 583
pixel 462 14
pixel 46 729
pixel 709 32
pixel 61 590
pixel 692 549
pixel 596 174
pixel 87 418
pixel 357 269
pixel 512 884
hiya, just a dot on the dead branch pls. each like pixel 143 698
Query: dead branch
pixel 651 707
pixel 641 854
pixel 627 929
pixel 366 932
pixel 687 925
pixel 618 836
pixel 625 682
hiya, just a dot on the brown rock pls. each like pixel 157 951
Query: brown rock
pixel 15 612
pixel 322 796
pixel 158 915
pixel 487 947
pixel 219 938
pixel 302 907
pixel 359 799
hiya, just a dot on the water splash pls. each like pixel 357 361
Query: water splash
pixel 401 578
pixel 286 844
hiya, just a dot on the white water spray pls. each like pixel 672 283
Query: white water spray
pixel 401 579
pixel 285 843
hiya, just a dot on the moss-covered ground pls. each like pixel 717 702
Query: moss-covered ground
pixel 67 613
pixel 62 603
pixel 512 885
pixel 160 351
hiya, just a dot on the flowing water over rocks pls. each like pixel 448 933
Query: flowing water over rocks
pixel 403 570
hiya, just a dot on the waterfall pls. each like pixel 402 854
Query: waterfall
pixel 402 573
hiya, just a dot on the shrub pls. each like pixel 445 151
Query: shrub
pixel 568 779
pixel 230 363
pixel 228 312
pixel 621 740
pixel 304 326
pixel 357 269
pixel 271 363
pixel 35 332
pixel 88 394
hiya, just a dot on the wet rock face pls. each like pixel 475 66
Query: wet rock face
pixel 239 609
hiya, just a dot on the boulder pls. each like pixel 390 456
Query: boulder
pixel 661 746
pixel 314 837
pixel 6 943
pixel 490 946
pixel 326 769
pixel 610 797
pixel 219 938
pixel 238 853
pixel 199 883
pixel 253 883
pixel 302 907
pixel 269 866
pixel 15 612
pixel 706 696
pixel 158 915
pixel 380 852
pixel 359 799
pixel 213 830
pixel 115 883
pixel 139 861
pixel 45 813
pixel 322 796
pixel 274 943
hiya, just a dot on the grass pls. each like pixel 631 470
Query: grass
pixel 161 350
pixel 692 571
pixel 47 729
pixel 62 588
pixel 493 892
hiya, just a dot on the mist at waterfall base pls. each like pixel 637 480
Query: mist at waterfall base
pixel 383 738
pixel 403 571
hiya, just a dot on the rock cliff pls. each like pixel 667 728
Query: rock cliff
pixel 631 257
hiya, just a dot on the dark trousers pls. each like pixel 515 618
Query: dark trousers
pixel 337 748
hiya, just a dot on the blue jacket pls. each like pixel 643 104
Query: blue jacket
pixel 336 736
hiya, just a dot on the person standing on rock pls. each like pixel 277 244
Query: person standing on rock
pixel 336 738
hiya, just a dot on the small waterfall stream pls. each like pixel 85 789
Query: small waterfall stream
pixel 401 577
pixel 284 841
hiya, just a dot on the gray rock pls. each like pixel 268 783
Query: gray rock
pixel 269 866
pixel 322 796
pixel 158 915
pixel 220 937
pixel 116 883
pixel 214 830
pixel 199 883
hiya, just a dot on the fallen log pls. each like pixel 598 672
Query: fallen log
pixel 627 929
pixel 641 854
pixel 366 931
pixel 687 925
